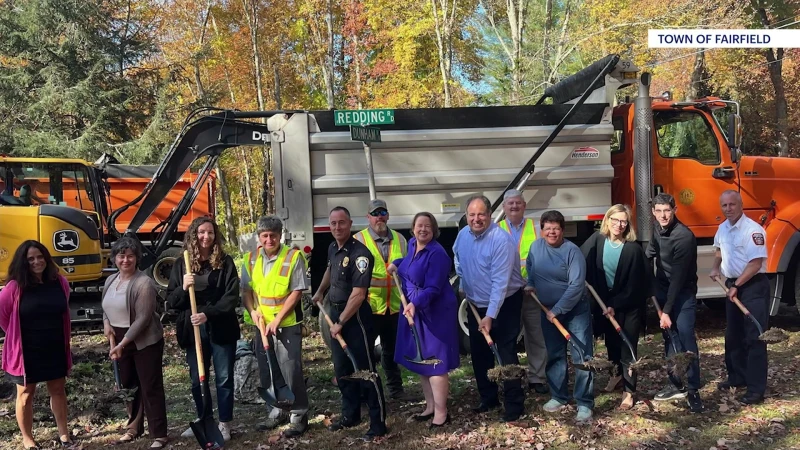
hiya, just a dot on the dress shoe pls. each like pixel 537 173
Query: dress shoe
pixel 505 418
pixel 297 427
pixel 422 417
pixel 695 402
pixel 483 407
pixel 439 425
pixel 342 424
pixel 751 399
pixel 727 385
pixel 375 433
pixel 539 388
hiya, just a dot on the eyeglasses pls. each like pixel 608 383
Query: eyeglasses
pixel 624 223
pixel 381 213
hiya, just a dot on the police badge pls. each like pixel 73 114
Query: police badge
pixel 345 261
pixel 362 263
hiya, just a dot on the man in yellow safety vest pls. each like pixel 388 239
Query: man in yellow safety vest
pixel 386 245
pixel 273 279
pixel 524 232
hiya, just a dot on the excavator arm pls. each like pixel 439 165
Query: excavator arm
pixel 201 136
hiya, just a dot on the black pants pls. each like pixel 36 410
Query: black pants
pixel 631 321
pixel 745 354
pixel 505 329
pixel 385 327
pixel 356 333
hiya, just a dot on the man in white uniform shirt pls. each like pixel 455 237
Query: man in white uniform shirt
pixel 741 257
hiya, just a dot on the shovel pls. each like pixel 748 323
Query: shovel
pixel 615 324
pixel 119 392
pixel 285 396
pixel 590 364
pixel 358 374
pixel 418 358
pixel 205 428
pixel 772 336
pixel 501 371
pixel 680 360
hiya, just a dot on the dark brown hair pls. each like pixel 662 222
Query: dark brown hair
pixel 20 271
pixel 552 216
pixel 434 224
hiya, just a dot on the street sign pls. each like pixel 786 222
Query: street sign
pixel 365 134
pixel 345 117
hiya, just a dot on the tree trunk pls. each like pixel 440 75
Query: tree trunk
pixel 562 42
pixel 201 92
pixel 267 195
pixel 548 28
pixel 247 183
pixel 327 69
pixel 251 13
pixel 695 83
pixel 230 227
pixel 516 20
pixel 443 46
pixel 225 65
pixel 278 102
pixel 775 67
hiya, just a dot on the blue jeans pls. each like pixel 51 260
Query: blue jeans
pixel 683 316
pixel 579 323
pixel 224 357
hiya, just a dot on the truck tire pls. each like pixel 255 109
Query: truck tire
pixel 162 268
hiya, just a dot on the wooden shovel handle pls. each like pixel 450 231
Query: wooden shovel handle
pixel 198 344
pixel 658 308
pixel 485 334
pixel 735 299
pixel 402 299
pixel 603 307
pixel 338 337
pixel 556 322
pixel 262 328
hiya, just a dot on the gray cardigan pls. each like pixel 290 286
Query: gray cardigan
pixel 140 296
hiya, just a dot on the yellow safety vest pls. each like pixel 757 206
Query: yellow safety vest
pixel 272 290
pixel 527 238
pixel 381 292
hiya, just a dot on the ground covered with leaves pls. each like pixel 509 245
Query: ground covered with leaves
pixel 97 415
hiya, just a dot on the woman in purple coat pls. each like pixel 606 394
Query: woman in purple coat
pixel 424 275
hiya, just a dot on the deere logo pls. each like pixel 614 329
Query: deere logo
pixel 65 241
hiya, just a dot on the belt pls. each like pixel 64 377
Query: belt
pixel 730 281
pixel 339 306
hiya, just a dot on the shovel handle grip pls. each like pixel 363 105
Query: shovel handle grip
pixel 564 332
pixel 338 337
pixel 402 298
pixel 734 298
pixel 485 334
pixel 262 329
pixel 198 344
pixel 603 307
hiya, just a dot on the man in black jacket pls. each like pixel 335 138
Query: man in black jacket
pixel 675 251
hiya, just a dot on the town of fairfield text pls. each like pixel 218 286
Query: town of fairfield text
pixel 723 38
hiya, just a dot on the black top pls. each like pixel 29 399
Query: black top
pixel 351 266
pixel 41 315
pixel 217 295
pixel 675 250
pixel 633 282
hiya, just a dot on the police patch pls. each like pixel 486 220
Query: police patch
pixel 362 263
pixel 758 238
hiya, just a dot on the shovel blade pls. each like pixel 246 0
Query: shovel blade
pixel 208 435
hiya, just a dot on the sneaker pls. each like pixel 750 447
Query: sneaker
pixel 553 405
pixel 273 422
pixel 695 402
pixel 225 429
pixel 188 433
pixel 670 393
pixel 584 414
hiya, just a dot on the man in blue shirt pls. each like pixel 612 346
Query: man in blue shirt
pixel 487 262
pixel 557 274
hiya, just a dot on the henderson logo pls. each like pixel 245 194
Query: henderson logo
pixel 585 153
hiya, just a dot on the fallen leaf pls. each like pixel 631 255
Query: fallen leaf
pixel 539 446
pixel 274 439
pixel 724 408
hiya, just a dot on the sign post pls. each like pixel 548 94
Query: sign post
pixel 357 120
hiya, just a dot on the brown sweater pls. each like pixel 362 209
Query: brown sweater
pixel 140 296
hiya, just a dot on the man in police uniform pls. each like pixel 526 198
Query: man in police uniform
pixel 741 257
pixel 275 275
pixel 349 275
pixel 524 233
pixel 384 296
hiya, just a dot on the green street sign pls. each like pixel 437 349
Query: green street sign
pixel 345 117
pixel 365 134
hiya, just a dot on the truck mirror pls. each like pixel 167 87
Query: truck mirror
pixel 734 135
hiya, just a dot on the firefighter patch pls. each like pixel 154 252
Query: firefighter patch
pixel 362 263
pixel 758 238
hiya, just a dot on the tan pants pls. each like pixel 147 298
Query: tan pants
pixel 534 340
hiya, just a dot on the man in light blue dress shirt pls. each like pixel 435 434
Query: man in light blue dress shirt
pixel 487 263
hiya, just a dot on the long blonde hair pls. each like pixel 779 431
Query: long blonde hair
pixel 605 228
pixel 190 243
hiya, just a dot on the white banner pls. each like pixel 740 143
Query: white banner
pixel 723 38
